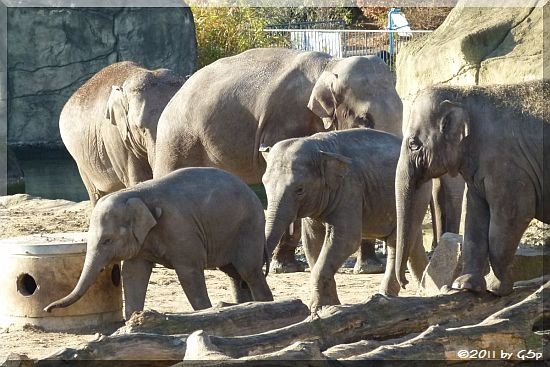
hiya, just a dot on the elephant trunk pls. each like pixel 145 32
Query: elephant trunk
pixel 411 205
pixel 278 219
pixel 92 268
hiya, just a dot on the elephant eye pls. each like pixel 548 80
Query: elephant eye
pixel 414 144
pixel 300 191
pixel 367 121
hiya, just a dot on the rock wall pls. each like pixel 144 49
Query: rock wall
pixel 475 46
pixel 53 51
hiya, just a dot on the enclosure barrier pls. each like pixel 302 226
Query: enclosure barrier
pixel 344 43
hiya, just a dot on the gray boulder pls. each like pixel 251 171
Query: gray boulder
pixel 475 46
pixel 53 51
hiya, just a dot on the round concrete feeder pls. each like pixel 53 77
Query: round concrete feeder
pixel 39 269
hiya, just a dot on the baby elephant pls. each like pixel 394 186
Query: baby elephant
pixel 343 184
pixel 189 220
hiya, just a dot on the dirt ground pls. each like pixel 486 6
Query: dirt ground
pixel 23 215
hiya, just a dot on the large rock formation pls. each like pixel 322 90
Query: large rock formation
pixel 476 46
pixel 53 51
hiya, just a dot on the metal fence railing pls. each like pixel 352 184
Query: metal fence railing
pixel 321 24
pixel 343 43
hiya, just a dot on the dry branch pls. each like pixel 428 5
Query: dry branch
pixel 378 318
pixel 242 319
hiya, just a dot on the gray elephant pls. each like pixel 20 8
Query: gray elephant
pixel 229 110
pixel 109 125
pixel 189 220
pixel 342 184
pixel 494 137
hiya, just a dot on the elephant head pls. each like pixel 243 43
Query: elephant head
pixel 298 181
pixel 431 147
pixel 135 107
pixel 118 229
pixel 357 92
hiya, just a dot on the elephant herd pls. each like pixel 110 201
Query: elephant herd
pixel 166 162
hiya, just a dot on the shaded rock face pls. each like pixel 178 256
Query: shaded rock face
pixel 53 51
pixel 475 46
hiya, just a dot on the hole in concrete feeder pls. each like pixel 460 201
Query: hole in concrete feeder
pixel 26 285
pixel 115 275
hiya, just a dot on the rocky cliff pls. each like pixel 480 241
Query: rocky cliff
pixel 476 46
pixel 53 51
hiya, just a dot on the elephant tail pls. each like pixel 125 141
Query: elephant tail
pixel 266 261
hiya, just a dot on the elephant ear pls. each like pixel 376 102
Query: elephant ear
pixel 334 168
pixel 323 98
pixel 454 121
pixel 117 111
pixel 142 219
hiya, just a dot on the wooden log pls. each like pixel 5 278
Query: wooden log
pixel 200 347
pixel 503 336
pixel 241 319
pixel 150 349
pixel 380 317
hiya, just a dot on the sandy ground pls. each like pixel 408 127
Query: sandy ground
pixel 23 215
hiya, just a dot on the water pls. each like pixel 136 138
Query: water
pixel 52 174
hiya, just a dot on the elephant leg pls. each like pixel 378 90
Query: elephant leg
pixel 367 261
pixel 447 195
pixel 340 243
pixel 239 288
pixel 475 248
pixel 93 193
pixel 284 259
pixel 418 260
pixel 135 278
pixel 510 217
pixel 390 285
pixel 313 237
pixel 258 285
pixel 194 285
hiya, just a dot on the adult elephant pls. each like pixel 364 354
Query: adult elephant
pixel 230 110
pixel 109 125
pixel 494 136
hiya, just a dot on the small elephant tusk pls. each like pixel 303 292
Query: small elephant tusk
pixel 291 229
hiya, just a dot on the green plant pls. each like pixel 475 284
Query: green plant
pixel 223 32
pixel 227 31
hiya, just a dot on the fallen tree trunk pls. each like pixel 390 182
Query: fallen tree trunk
pixel 160 350
pixel 379 318
pixel 241 319
pixel 508 334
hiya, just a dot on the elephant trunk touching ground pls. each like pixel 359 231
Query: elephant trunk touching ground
pixel 92 267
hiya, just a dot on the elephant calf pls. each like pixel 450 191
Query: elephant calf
pixel 494 136
pixel 189 220
pixel 342 184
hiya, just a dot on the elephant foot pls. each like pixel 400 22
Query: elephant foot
pixel 369 266
pixel 498 287
pixel 390 291
pixel 316 304
pixel 472 282
pixel 289 266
